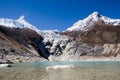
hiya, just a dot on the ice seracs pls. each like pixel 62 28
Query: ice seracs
pixel 95 16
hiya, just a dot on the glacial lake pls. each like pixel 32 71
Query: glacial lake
pixel 82 70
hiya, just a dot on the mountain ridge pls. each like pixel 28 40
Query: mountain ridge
pixel 94 17
pixel 79 25
pixel 94 40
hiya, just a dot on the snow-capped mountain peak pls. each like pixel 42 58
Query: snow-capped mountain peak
pixel 95 16
pixel 19 23
pixel 25 24
pixel 21 18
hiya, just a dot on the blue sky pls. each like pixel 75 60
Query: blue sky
pixel 57 14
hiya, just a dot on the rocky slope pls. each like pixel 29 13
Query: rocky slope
pixel 20 44
pixel 94 38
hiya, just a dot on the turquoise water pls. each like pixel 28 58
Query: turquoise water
pixel 83 70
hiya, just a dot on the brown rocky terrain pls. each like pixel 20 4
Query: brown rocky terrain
pixel 104 38
pixel 97 32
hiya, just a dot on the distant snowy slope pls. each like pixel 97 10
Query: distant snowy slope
pixel 95 16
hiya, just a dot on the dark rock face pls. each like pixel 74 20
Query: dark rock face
pixel 19 44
